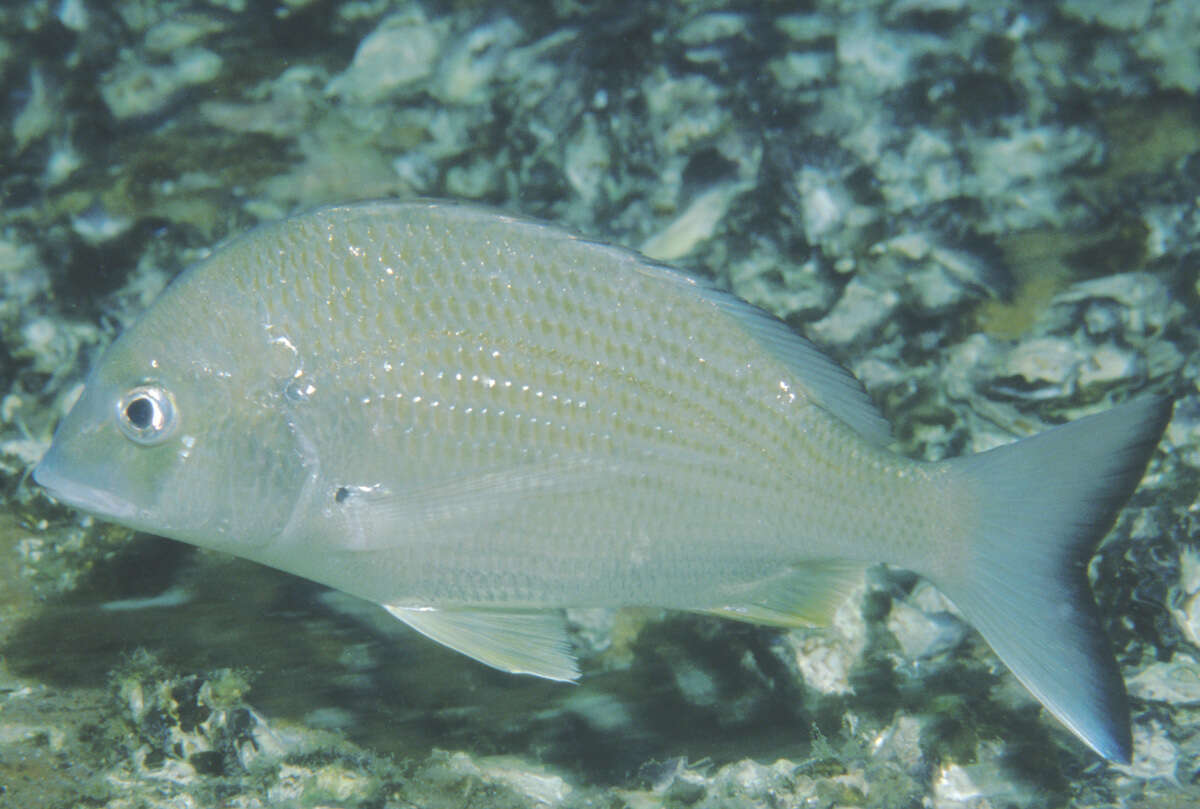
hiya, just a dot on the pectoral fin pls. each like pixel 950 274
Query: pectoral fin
pixel 521 642
pixel 375 518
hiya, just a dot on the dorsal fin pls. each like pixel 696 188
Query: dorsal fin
pixel 824 380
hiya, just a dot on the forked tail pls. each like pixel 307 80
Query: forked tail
pixel 1044 503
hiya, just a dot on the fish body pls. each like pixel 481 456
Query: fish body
pixel 474 420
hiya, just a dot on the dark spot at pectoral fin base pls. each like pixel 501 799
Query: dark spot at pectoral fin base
pixel 517 641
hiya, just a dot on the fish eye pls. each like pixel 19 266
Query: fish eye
pixel 146 414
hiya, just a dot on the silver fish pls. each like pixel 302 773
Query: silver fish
pixel 474 420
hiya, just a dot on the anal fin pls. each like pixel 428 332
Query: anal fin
pixel 807 595
pixel 517 641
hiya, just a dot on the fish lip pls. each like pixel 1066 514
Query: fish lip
pixel 80 495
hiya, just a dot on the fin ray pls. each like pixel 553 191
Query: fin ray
pixel 516 641
pixel 374 519
pixel 807 595
pixel 1042 506
pixel 823 378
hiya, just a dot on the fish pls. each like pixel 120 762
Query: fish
pixel 477 420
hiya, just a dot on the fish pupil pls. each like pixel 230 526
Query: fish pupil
pixel 146 415
pixel 140 412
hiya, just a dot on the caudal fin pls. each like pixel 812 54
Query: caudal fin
pixel 1043 504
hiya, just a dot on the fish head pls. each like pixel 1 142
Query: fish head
pixel 178 433
pixel 111 453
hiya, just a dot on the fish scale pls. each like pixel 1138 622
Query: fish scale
pixel 640 400
pixel 476 420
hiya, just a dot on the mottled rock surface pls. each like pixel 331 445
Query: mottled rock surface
pixel 986 209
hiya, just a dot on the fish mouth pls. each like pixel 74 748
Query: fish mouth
pixel 80 495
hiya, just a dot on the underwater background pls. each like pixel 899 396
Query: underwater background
pixel 989 211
